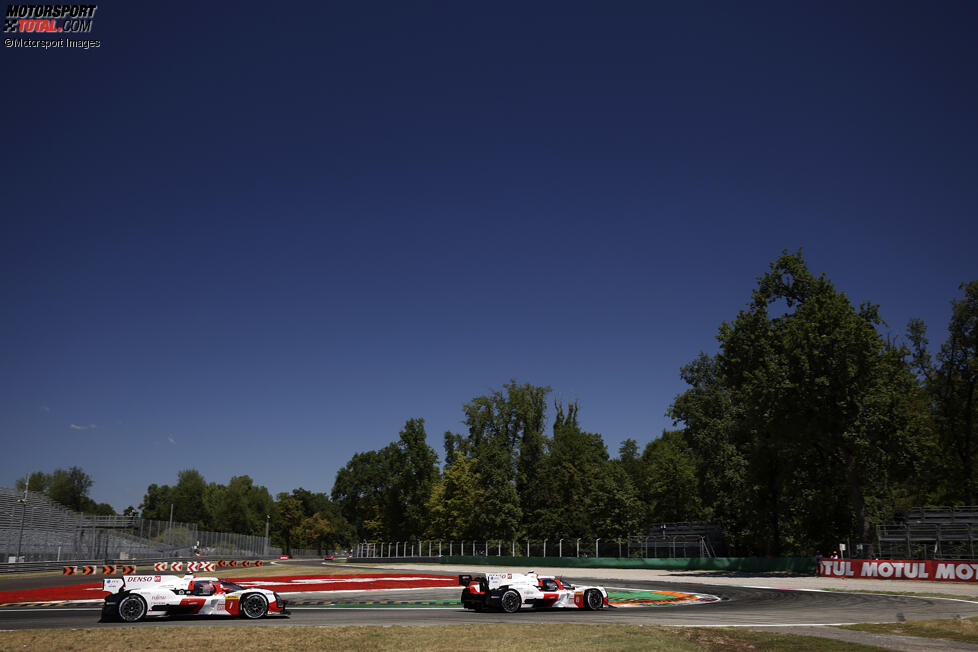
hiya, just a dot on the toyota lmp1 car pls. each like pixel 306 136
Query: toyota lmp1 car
pixel 133 597
pixel 511 591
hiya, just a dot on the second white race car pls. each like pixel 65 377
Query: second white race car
pixel 133 597
pixel 510 592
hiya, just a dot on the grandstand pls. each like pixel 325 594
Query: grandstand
pixel 930 533
pixel 35 528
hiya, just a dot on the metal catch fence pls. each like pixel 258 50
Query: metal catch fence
pixel 647 546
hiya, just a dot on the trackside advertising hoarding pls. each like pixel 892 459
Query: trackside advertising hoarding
pixel 932 571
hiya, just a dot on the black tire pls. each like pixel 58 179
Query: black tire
pixel 511 601
pixel 132 608
pixel 253 605
pixel 593 600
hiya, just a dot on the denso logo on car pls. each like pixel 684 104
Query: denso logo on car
pixel 137 579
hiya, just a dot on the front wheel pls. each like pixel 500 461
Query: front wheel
pixel 254 605
pixel 132 608
pixel 511 601
pixel 593 600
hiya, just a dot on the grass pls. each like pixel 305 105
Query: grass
pixel 429 639
pixel 964 630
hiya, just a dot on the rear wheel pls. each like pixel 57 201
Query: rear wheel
pixel 132 608
pixel 593 600
pixel 253 605
pixel 511 601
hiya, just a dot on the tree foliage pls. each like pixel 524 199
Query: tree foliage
pixel 951 385
pixel 384 493
pixel 805 428
pixel 69 487
pixel 800 421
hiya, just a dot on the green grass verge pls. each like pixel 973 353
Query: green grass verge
pixel 949 596
pixel 557 638
pixel 964 630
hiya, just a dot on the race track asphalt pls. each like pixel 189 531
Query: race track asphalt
pixel 740 606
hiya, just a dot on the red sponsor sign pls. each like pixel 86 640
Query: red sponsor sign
pixel 929 570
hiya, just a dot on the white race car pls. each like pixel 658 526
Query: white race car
pixel 511 591
pixel 133 597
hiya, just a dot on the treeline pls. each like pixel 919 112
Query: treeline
pixel 69 487
pixel 806 428
pixel 300 519
pixel 523 468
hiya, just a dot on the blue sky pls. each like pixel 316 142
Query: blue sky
pixel 256 241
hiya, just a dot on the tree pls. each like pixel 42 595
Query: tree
pixel 69 487
pixel 671 482
pixel 188 498
pixel 416 471
pixel 315 531
pixel 156 503
pixel 290 515
pixel 501 427
pixel 365 495
pixel 241 507
pixel 613 508
pixel 952 389
pixel 292 525
pixel 455 504
pixel 573 480
pixel 797 404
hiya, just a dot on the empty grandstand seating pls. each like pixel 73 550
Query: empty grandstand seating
pixel 930 533
pixel 39 529
pixel 677 540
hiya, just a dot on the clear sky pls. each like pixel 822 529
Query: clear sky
pixel 256 238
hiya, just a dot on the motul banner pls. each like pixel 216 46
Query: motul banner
pixel 931 570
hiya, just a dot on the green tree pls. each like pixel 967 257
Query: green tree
pixel 241 507
pixel 156 502
pixel 365 494
pixel 576 471
pixel 814 401
pixel 295 509
pixel 952 390
pixel 671 482
pixel 613 506
pixel 290 515
pixel 69 487
pixel 501 427
pixel 456 501
pixel 415 473
pixel 188 498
